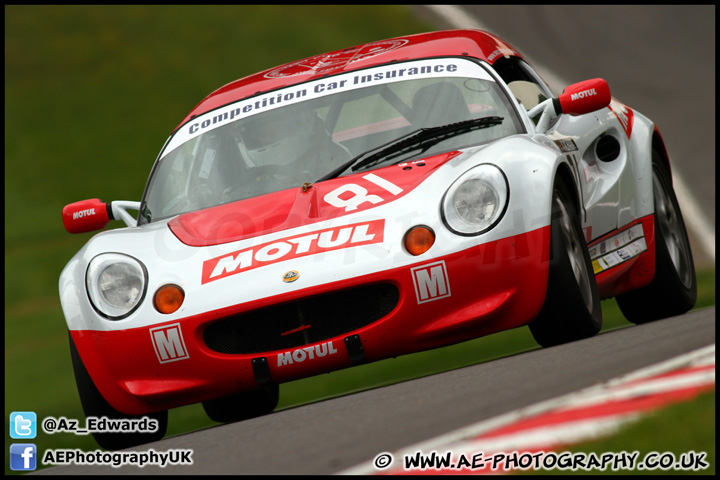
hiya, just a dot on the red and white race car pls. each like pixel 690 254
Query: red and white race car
pixel 362 204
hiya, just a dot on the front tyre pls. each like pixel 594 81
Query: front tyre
pixel 572 304
pixel 673 290
pixel 94 405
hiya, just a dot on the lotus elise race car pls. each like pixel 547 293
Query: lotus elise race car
pixel 363 204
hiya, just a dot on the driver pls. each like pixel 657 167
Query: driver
pixel 292 139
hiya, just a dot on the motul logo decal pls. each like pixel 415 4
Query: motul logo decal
pixel 293 247
pixel 583 94
pixel 83 213
pixel 307 353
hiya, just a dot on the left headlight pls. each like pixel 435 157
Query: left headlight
pixel 476 201
pixel 116 284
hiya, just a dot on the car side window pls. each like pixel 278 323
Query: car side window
pixel 524 83
pixel 527 93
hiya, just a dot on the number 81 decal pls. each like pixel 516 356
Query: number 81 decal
pixel 350 196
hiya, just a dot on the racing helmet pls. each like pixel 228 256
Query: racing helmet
pixel 277 137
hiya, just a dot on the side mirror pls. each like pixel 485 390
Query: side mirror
pixel 577 99
pixel 85 216
pixel 90 215
pixel 584 97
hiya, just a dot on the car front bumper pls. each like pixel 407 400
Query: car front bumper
pixel 439 301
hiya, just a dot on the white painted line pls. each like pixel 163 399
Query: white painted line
pixel 644 388
pixel 692 213
pixel 693 216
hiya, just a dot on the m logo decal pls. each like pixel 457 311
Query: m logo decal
pixel 168 343
pixel 431 282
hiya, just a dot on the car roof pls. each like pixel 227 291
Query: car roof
pixel 473 43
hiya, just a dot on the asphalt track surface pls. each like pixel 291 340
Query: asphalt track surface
pixel 659 60
pixel 336 434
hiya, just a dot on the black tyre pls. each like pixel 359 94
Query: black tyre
pixel 572 304
pixel 94 405
pixel 244 405
pixel 673 290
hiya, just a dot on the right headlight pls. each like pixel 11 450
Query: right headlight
pixel 116 284
pixel 476 201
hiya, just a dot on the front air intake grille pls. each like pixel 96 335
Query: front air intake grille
pixel 306 321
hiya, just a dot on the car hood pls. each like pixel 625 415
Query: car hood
pixel 297 207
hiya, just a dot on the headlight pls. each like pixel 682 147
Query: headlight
pixel 477 200
pixel 116 284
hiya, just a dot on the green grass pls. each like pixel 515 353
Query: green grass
pixel 91 93
pixel 657 436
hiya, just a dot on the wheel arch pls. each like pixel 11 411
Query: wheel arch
pixel 658 145
pixel 565 174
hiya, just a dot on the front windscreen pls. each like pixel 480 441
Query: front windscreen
pixel 292 136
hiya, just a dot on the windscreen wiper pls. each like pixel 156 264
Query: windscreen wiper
pixel 420 139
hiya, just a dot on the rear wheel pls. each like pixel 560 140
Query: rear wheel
pixel 572 304
pixel 244 405
pixel 94 405
pixel 673 290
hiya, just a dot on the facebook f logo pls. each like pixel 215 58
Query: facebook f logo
pixel 23 425
pixel 23 456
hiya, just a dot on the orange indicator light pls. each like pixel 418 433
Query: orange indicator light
pixel 418 240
